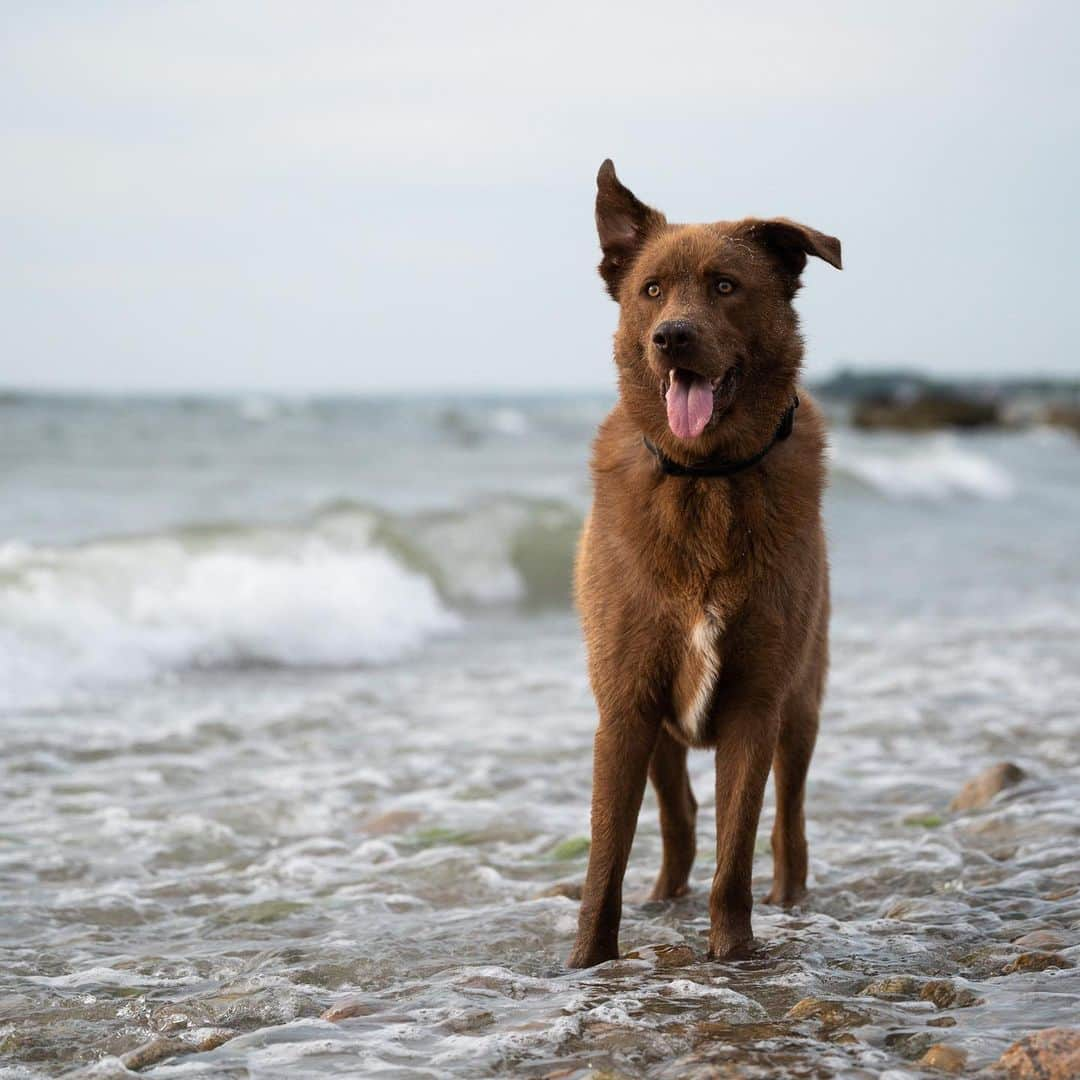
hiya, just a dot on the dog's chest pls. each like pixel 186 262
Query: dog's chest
pixel 699 661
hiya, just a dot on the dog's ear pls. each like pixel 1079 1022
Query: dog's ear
pixel 623 222
pixel 791 242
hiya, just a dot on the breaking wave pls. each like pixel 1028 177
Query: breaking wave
pixel 934 468
pixel 350 586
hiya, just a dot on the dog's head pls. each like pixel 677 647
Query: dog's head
pixel 708 346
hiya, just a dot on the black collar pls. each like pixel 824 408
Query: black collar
pixel 724 468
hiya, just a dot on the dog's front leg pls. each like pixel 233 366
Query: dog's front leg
pixel 621 753
pixel 743 756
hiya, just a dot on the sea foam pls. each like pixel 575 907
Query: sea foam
pixel 127 610
pixel 934 469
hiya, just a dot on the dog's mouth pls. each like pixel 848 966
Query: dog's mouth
pixel 694 401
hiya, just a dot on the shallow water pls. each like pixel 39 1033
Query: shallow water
pixel 281 736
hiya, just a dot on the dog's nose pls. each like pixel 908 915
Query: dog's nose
pixel 675 336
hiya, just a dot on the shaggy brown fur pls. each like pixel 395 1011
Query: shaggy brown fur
pixel 704 601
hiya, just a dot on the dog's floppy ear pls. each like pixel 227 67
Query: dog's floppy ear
pixel 791 242
pixel 623 222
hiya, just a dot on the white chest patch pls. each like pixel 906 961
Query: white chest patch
pixel 703 666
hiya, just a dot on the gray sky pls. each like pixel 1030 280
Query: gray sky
pixel 368 196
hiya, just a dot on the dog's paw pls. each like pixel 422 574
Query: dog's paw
pixel 587 957
pixel 726 947
pixel 785 898
pixel 663 890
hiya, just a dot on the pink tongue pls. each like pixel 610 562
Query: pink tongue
pixel 689 404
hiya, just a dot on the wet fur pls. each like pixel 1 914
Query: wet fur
pixel 704 601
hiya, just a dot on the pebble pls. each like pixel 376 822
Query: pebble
pixel 831 1014
pixel 570 889
pixel 157 1049
pixel 947 995
pixel 892 987
pixel 1035 961
pixel 1041 940
pixel 944 1058
pixel 347 1009
pixel 392 821
pixel 664 956
pixel 468 1020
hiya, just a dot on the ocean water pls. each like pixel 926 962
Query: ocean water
pixel 296 742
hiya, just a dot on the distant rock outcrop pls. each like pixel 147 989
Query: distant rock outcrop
pixel 910 401
pixel 928 412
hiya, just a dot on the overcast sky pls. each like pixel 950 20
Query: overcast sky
pixel 366 196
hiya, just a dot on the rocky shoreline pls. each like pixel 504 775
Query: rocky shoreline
pixel 909 402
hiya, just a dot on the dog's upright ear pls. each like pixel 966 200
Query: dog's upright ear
pixel 623 222
pixel 791 242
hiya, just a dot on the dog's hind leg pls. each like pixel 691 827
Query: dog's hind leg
pixel 791 761
pixel 678 815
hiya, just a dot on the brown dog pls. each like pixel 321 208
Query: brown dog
pixel 702 577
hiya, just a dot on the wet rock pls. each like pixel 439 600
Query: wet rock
pixel 150 1053
pixel 832 1015
pixel 232 1009
pixel 664 956
pixel 1042 941
pixel 980 790
pixel 1035 961
pixel 942 1022
pixel 574 847
pixel 944 1058
pixel 570 889
pixel 210 1039
pixel 743 1033
pixel 909 1044
pixel 259 913
pixel 1063 416
pixel 347 1009
pixel 925 821
pixel 468 1020
pixel 1061 894
pixel 393 821
pixel 985 961
pixel 892 987
pixel 1052 1054
pixel 845 1038
pixel 947 995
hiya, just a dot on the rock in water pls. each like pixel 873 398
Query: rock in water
pixel 1043 940
pixel 1053 1054
pixel 892 987
pixel 1035 961
pixel 832 1015
pixel 947 995
pixel 570 889
pixel 664 956
pixel 944 1058
pixel 978 792
pixel 347 1009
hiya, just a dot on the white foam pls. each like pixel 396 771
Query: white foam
pixel 121 611
pixel 935 468
pixel 508 421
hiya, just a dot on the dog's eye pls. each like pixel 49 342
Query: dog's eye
pixel 652 289
pixel 725 286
